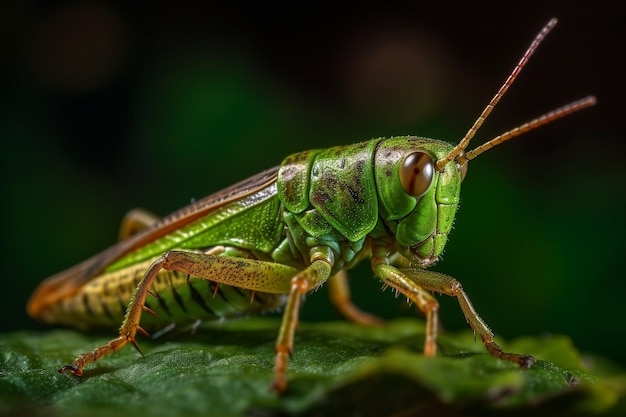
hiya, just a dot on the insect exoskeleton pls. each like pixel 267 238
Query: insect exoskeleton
pixel 266 241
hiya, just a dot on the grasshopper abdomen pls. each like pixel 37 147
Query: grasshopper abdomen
pixel 176 298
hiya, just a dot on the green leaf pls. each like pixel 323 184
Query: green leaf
pixel 338 368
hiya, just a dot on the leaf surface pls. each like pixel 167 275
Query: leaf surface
pixel 338 368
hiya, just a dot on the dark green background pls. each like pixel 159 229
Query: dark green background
pixel 107 107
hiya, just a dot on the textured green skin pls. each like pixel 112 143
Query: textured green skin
pixel 336 195
pixel 350 192
pixel 348 198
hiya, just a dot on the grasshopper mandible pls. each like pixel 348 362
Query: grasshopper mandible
pixel 267 241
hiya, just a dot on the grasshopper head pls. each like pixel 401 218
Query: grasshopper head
pixel 419 180
pixel 417 201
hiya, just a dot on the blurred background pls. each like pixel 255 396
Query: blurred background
pixel 108 106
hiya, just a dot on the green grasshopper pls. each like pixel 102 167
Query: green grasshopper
pixel 265 242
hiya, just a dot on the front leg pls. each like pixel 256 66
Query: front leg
pixel 415 284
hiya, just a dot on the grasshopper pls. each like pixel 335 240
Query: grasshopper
pixel 265 242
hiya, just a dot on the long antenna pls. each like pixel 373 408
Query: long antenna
pixel 546 118
pixel 440 164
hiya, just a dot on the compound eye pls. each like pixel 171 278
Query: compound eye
pixel 416 173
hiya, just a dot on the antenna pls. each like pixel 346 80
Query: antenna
pixel 526 127
pixel 440 164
